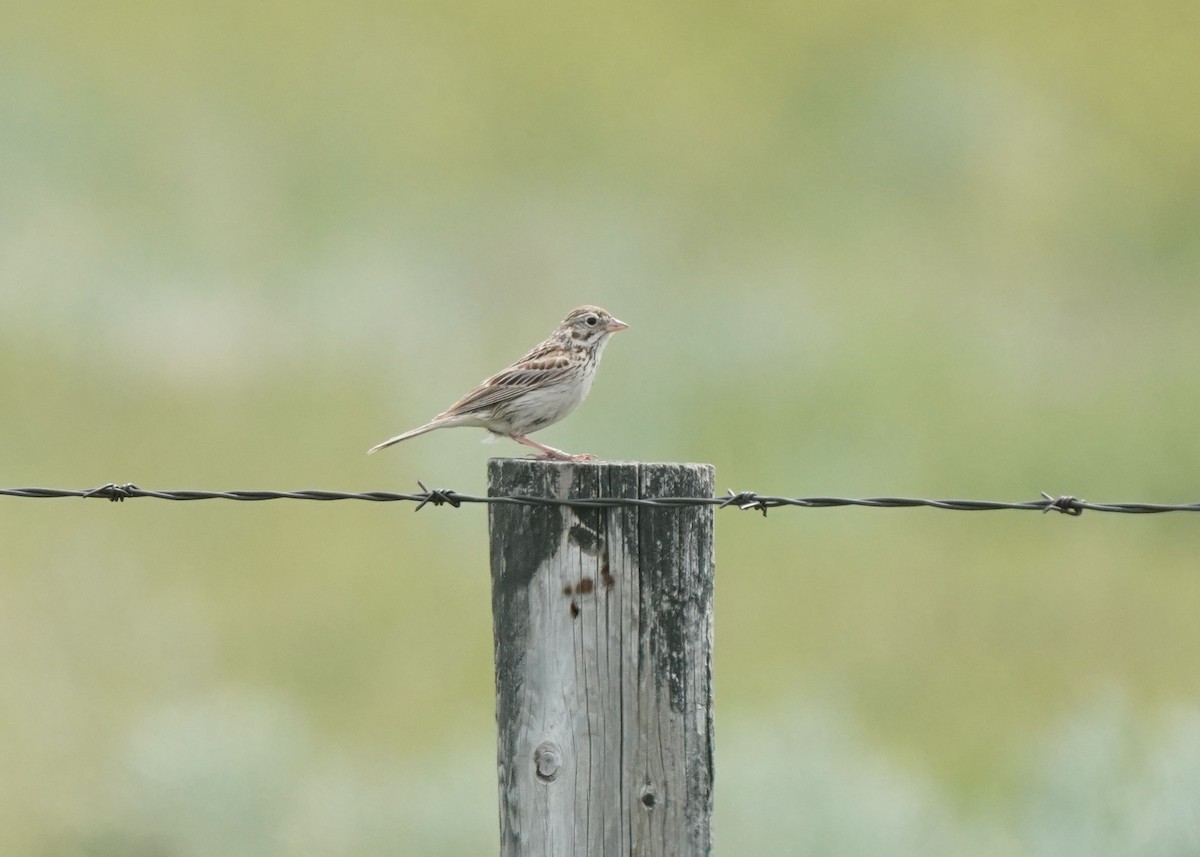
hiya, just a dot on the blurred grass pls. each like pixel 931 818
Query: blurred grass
pixel 933 250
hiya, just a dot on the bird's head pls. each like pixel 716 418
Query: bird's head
pixel 590 325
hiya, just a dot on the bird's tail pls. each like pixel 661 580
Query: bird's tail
pixel 412 433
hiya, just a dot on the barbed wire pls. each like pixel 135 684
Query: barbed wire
pixel 743 500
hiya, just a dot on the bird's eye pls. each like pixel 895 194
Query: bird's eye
pixel 592 321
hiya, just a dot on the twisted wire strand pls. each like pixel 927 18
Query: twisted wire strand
pixel 743 500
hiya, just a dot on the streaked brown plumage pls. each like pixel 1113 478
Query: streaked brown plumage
pixel 536 391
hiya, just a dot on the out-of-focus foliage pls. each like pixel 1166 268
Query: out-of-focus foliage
pixel 929 248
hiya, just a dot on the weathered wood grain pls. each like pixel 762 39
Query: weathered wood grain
pixel 603 645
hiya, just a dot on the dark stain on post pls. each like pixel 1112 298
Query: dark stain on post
pixel 586 534
pixel 606 574
pixel 535 531
pixel 677 601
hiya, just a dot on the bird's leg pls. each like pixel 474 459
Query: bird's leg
pixel 550 453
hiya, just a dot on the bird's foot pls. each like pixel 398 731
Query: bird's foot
pixel 549 453
pixel 564 456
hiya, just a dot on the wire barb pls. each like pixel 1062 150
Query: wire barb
pixel 113 492
pixel 744 500
pixel 437 497
pixel 1066 504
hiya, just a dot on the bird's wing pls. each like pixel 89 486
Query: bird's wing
pixel 546 364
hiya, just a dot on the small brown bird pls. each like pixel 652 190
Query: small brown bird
pixel 538 390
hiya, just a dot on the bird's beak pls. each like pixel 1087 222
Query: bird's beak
pixel 615 324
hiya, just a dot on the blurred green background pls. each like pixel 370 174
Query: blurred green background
pixel 929 249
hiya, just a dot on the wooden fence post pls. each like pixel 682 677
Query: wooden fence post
pixel 603 633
